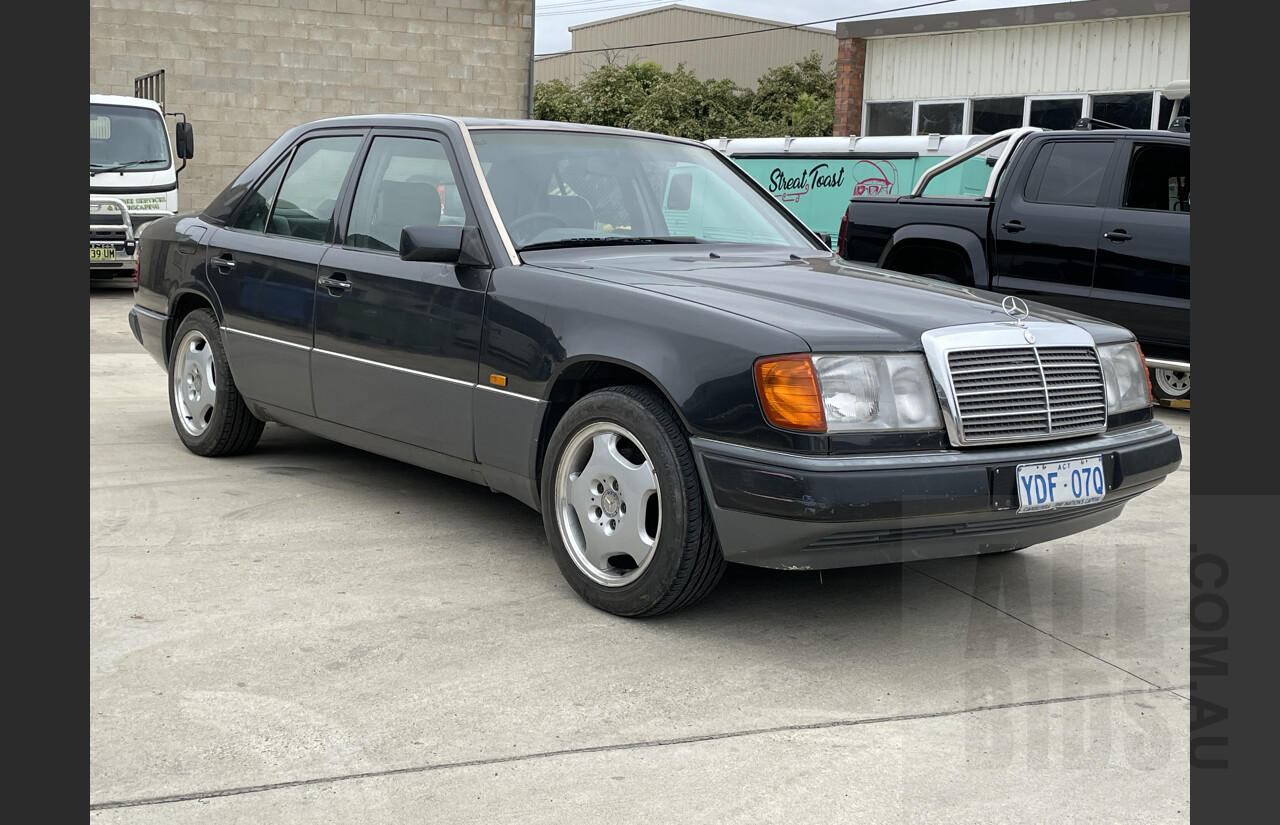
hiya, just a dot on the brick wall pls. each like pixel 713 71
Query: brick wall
pixel 851 66
pixel 244 71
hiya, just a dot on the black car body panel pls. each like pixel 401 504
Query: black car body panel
pixel 464 357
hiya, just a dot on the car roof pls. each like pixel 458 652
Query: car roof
pixel 426 118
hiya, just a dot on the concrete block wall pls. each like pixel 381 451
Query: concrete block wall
pixel 244 71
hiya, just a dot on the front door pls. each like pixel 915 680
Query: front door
pixel 397 342
pixel 1046 229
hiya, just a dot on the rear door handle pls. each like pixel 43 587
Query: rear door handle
pixel 331 284
pixel 224 264
pixel 1117 235
pixel 1012 226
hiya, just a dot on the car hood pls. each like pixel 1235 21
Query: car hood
pixel 825 301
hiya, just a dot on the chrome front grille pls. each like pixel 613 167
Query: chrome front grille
pixel 1026 393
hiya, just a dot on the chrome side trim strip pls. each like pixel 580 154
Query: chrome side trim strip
pixel 500 391
pixel 387 366
pixel 266 338
pixel 510 248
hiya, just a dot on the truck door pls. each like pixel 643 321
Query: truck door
pixel 1046 223
pixel 1143 278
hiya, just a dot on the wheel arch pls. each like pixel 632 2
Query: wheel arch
pixel 583 376
pixel 183 304
pixel 948 239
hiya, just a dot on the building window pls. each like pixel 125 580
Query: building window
pixel 940 118
pixel 1055 112
pixel 995 114
pixel 1166 110
pixel 889 118
pixel 1131 110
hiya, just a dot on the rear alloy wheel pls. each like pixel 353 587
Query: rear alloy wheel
pixel 623 507
pixel 210 416
pixel 1170 385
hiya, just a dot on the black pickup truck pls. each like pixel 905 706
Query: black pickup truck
pixel 1097 221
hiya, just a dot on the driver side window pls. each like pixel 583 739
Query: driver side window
pixel 404 182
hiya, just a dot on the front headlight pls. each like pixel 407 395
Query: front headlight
pixel 1124 372
pixel 848 393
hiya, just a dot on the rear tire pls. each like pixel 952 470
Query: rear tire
pixel 1170 385
pixel 623 507
pixel 208 412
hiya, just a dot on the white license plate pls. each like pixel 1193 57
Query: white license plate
pixel 1056 484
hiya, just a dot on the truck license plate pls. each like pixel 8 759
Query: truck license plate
pixel 102 253
pixel 1055 484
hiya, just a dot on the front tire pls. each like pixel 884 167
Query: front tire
pixel 208 412
pixel 623 507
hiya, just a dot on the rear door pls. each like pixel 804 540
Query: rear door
pixel 397 342
pixel 1143 279
pixel 1046 224
pixel 263 268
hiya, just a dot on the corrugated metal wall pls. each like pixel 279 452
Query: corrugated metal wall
pixel 1129 54
pixel 740 59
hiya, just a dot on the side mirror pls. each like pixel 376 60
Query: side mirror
pixel 443 245
pixel 184 138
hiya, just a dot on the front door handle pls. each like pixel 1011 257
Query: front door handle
pixel 1117 235
pixel 334 283
pixel 1012 226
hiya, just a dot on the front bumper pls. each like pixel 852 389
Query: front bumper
pixel 790 511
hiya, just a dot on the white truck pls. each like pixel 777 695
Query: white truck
pixel 133 179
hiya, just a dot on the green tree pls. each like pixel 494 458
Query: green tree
pixel 795 100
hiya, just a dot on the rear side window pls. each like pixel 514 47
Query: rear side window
pixel 1069 172
pixel 311 186
pixel 1159 178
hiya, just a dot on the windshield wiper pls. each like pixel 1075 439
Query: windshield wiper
pixel 95 168
pixel 609 241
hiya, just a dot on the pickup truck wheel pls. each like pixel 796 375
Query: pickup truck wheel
pixel 623 507
pixel 1170 385
pixel 210 416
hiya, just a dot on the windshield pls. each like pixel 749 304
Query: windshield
pixel 125 137
pixel 566 188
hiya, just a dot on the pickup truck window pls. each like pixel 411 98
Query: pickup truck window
pixel 1068 172
pixel 1159 178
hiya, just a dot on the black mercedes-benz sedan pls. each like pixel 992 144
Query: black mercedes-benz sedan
pixel 626 333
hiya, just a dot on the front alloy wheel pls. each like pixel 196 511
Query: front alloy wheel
pixel 623 507
pixel 608 504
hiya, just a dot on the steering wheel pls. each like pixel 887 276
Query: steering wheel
pixel 548 219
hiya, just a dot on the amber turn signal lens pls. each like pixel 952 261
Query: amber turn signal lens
pixel 789 393
pixel 1147 373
